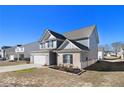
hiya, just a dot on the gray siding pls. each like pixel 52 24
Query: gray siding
pixel 93 53
pixel 84 42
pixel 10 51
pixel 68 45
pixel 28 48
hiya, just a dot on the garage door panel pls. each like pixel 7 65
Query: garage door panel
pixel 40 60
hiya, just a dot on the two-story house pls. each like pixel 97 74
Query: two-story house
pixel 48 46
pixel 21 52
pixel 78 48
pixel 3 51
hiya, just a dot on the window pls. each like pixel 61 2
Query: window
pixel 50 44
pixel 54 43
pixel 41 46
pixel 19 49
pixel 68 58
pixel 21 56
pixel 22 49
pixel 46 45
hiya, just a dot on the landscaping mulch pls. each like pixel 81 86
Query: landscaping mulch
pixel 69 70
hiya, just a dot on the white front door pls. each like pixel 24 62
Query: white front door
pixel 40 60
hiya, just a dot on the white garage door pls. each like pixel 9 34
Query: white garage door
pixel 40 60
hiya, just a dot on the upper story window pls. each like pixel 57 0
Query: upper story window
pixel 48 44
pixel 41 46
pixel 19 49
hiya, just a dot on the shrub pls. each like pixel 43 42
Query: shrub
pixel 56 67
pixel 28 62
pixel 67 68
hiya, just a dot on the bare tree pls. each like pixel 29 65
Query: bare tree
pixel 107 47
pixel 116 46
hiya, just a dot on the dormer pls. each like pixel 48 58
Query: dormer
pixel 19 49
pixel 51 40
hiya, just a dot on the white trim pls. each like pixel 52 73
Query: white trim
pixel 69 42
pixel 47 30
pixel 51 37
pixel 44 34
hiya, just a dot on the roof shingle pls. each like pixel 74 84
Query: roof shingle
pixel 80 33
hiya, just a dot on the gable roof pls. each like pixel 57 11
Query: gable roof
pixel 5 47
pixel 78 45
pixel 57 35
pixel 82 47
pixel 29 47
pixel 80 33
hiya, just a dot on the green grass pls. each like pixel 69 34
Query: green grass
pixel 25 70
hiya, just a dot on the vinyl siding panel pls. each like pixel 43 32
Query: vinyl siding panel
pixel 28 48
pixel 69 46
pixel 84 42
pixel 93 53
pixel 76 59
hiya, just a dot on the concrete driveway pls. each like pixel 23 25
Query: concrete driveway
pixel 18 67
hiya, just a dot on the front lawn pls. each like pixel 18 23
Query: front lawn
pixel 25 70
pixel 46 77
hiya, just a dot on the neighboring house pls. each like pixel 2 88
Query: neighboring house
pixel 121 53
pixel 107 53
pixel 1 53
pixel 21 52
pixel 100 53
pixel 110 54
pixel 4 52
pixel 78 48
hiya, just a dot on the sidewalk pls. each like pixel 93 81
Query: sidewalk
pixel 18 67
